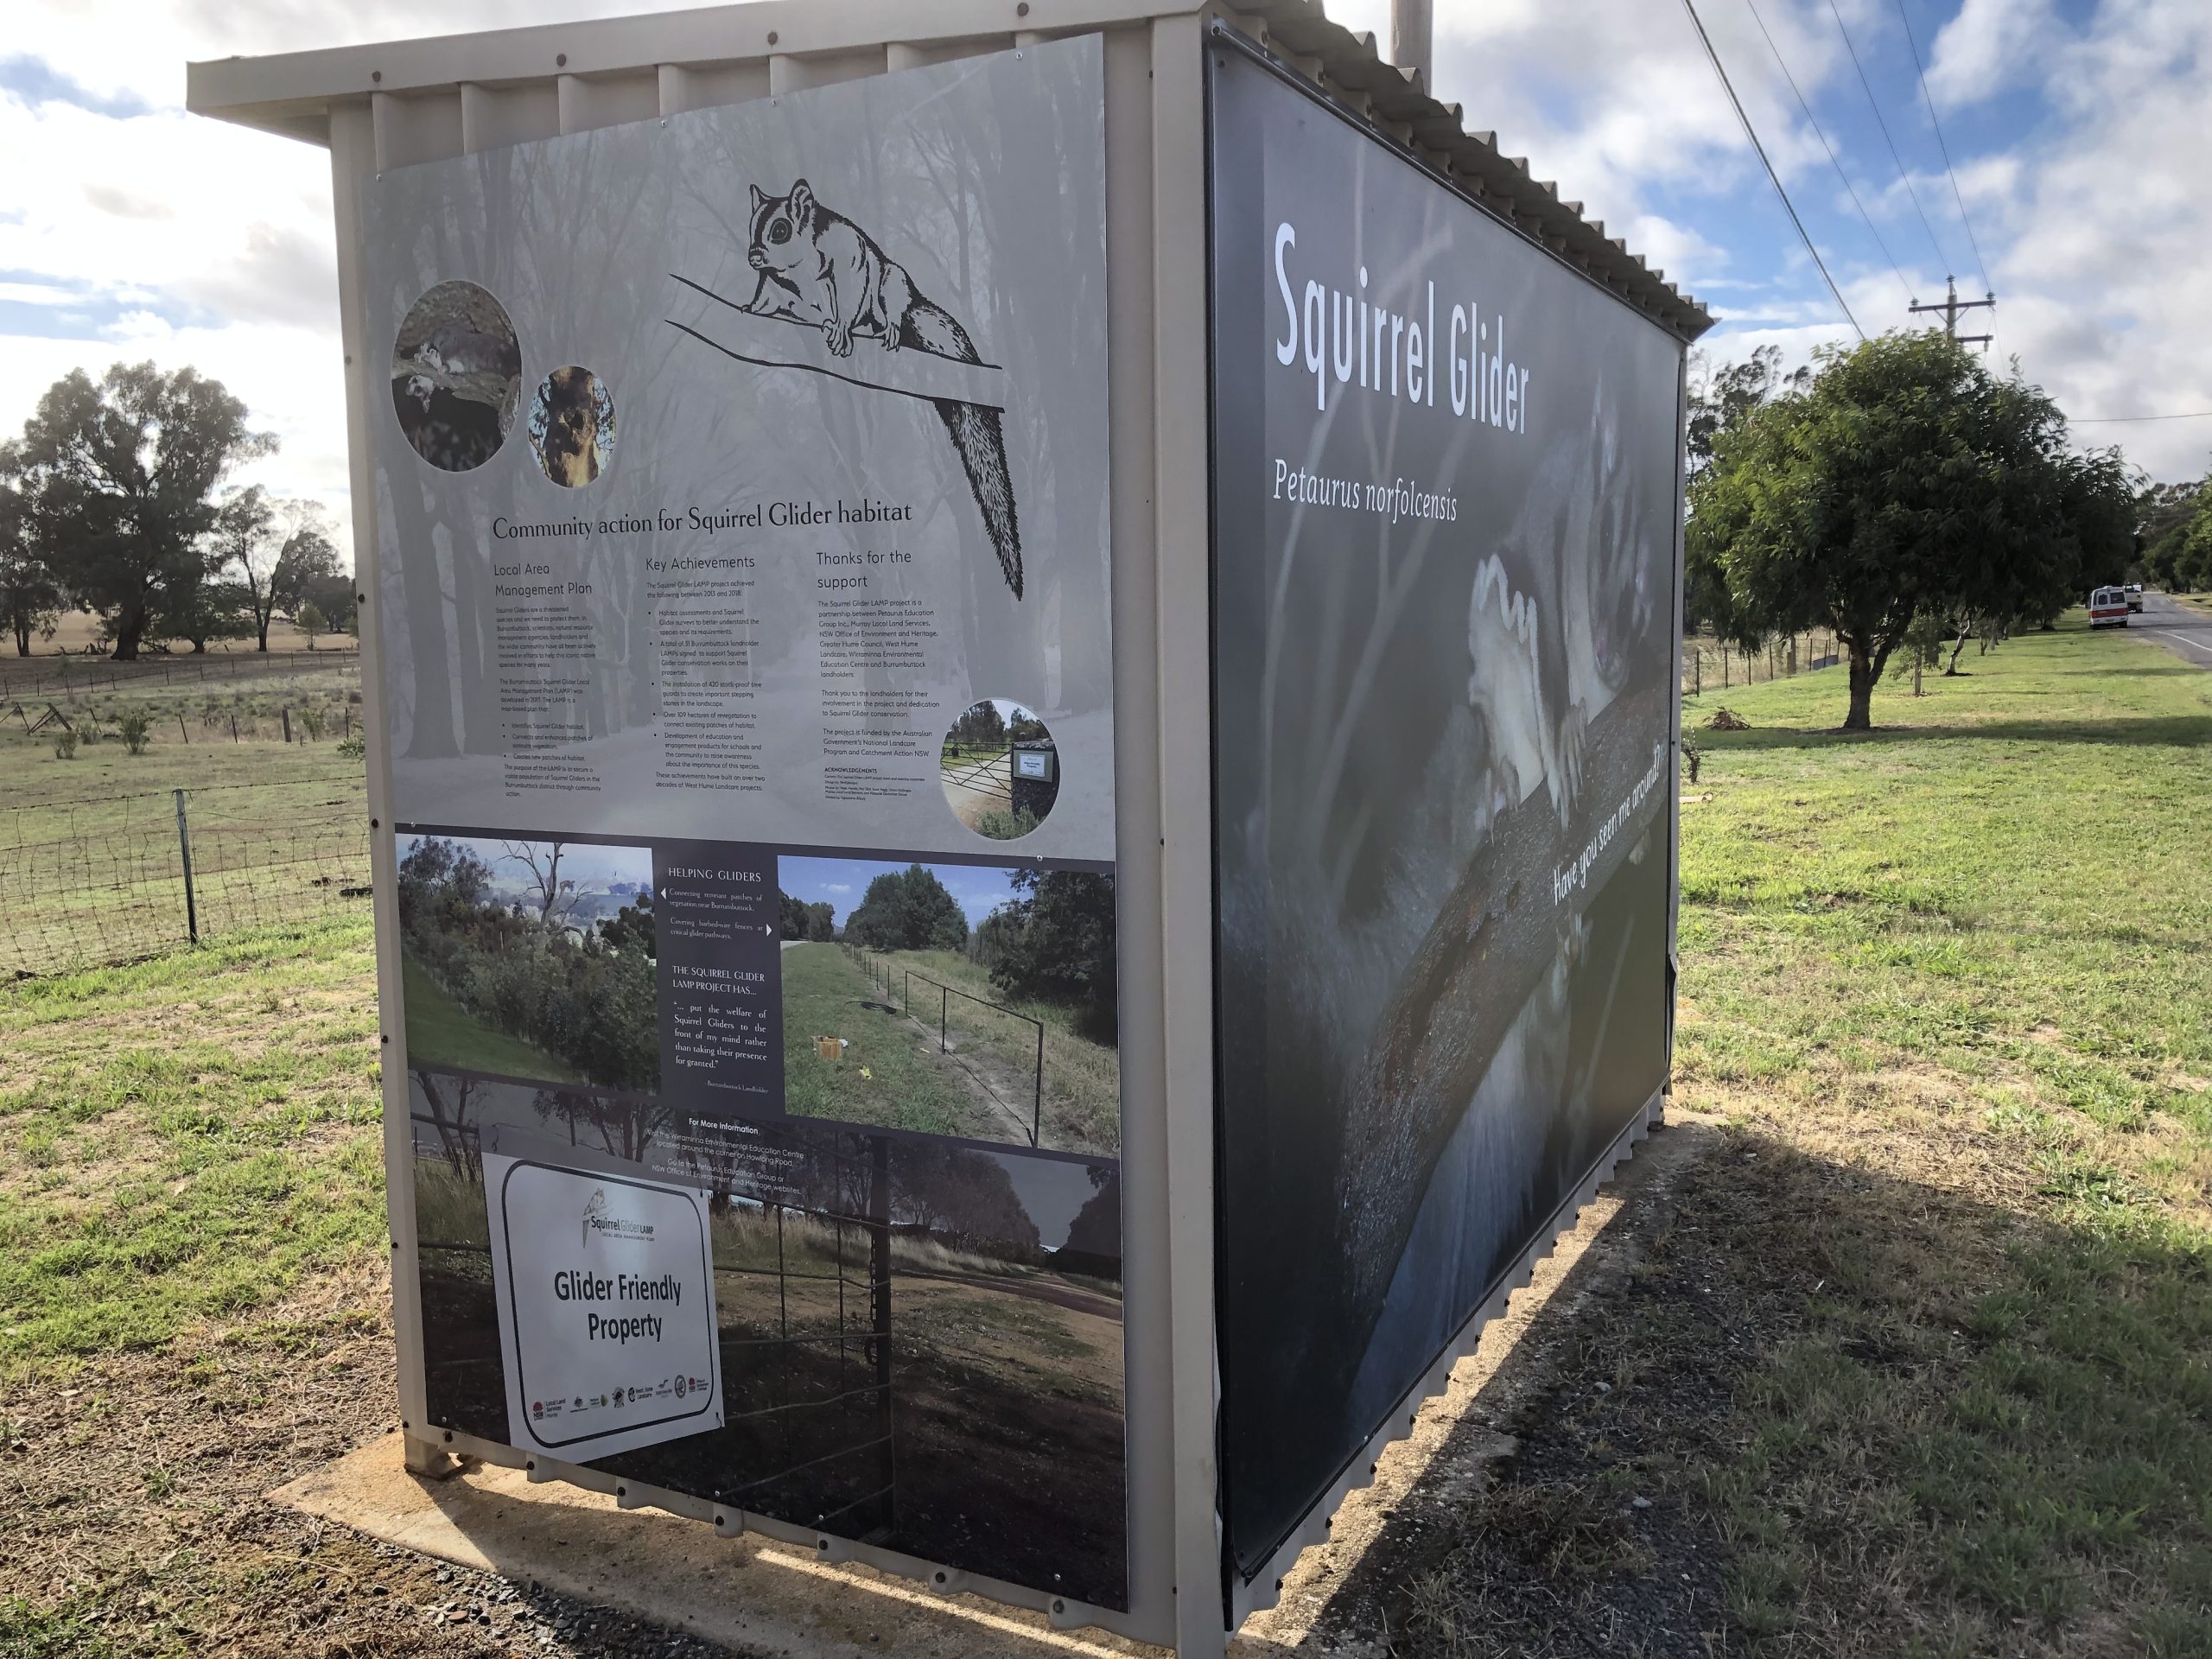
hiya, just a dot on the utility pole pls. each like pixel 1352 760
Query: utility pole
pixel 1952 305
pixel 1411 32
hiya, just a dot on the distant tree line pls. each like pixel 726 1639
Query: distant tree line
pixel 980 726
pixel 907 910
pixel 1052 941
pixel 118 499
pixel 1897 486
pixel 801 920
pixel 2176 535
pixel 1055 943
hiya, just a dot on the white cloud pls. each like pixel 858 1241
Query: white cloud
pixel 137 231
pixel 2094 218
pixel 157 234
pixel 1990 46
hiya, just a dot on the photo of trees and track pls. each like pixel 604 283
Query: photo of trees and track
pixel 972 1000
pixel 921 1343
pixel 999 769
pixel 529 959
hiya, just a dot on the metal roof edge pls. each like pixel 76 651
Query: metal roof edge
pixel 1396 103
pixel 284 92
pixel 292 93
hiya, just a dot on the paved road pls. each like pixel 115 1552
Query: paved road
pixel 2182 629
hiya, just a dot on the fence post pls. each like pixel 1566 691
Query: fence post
pixel 1037 1106
pixel 184 850
pixel 287 713
pixel 944 1012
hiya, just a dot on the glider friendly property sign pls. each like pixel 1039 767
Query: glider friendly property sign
pixel 605 1289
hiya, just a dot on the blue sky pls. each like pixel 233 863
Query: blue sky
pixel 842 883
pixel 2076 126
pixel 593 868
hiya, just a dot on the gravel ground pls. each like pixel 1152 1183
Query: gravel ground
pixel 138 1523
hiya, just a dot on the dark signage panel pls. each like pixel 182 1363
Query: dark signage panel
pixel 1446 501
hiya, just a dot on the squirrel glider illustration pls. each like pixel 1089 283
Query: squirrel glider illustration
pixel 816 269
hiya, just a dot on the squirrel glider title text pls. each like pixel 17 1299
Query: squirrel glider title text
pixel 1327 331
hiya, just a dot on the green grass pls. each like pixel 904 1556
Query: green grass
pixel 440 1032
pixel 907 1088
pixel 1082 1079
pixel 89 857
pixel 1948 982
pixel 184 1140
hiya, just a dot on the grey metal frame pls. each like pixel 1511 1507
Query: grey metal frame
pixel 386 105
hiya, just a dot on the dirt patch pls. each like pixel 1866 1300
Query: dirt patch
pixel 1508 1522
pixel 139 1526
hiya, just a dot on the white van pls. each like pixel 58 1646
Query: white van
pixel 2108 608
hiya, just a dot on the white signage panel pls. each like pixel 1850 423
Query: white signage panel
pixel 606 1293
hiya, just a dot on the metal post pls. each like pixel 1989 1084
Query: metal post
pixel 1411 31
pixel 184 850
pixel 944 1013
pixel 1037 1107
pixel 879 1241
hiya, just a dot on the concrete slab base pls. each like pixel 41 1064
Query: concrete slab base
pixel 751 1594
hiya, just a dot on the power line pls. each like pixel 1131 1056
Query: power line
pixel 1874 104
pixel 1828 147
pixel 2116 419
pixel 1926 98
pixel 1727 86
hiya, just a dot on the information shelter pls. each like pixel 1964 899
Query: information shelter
pixel 1023 669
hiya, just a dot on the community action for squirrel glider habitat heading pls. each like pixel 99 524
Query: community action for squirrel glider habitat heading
pixel 1341 333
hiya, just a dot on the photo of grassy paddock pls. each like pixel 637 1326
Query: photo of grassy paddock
pixel 900 1011
pixel 529 959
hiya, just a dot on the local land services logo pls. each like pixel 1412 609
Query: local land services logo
pixel 597 1220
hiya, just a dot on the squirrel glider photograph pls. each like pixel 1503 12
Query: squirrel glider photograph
pixel 816 269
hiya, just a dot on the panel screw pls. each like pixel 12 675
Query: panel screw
pixel 372 824
pixel 1022 10
pixel 561 60
pixel 771 37
pixel 376 75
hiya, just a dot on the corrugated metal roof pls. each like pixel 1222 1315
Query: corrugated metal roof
pixel 1349 65
pixel 532 82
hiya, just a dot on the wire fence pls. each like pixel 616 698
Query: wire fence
pixel 62 675
pixel 1713 664
pixel 971 1030
pixel 108 880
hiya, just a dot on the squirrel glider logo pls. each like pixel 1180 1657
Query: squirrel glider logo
pixel 817 270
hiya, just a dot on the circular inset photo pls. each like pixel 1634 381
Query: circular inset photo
pixel 572 426
pixel 999 769
pixel 456 375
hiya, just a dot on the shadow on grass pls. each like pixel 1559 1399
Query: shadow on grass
pixel 2158 731
pixel 1815 1399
